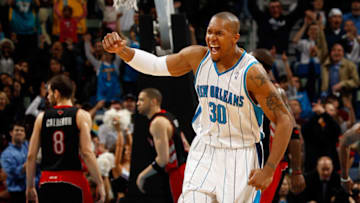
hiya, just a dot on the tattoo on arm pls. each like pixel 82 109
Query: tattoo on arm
pixel 273 102
pixel 259 79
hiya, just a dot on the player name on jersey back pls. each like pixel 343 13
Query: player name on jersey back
pixel 58 122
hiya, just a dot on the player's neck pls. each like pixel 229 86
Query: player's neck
pixel 153 111
pixel 64 102
pixel 230 59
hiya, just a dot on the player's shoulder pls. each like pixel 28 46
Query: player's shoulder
pixel 194 51
pixel 256 68
pixel 256 77
pixel 82 114
pixel 40 117
pixel 160 121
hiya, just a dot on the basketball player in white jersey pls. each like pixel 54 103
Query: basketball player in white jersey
pixel 224 162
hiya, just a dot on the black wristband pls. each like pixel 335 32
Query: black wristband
pixel 295 135
pixel 157 168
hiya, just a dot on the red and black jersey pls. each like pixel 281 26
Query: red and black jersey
pixel 60 140
pixel 177 155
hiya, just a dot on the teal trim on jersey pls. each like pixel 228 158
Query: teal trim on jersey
pixel 259 114
pixel 246 91
pixel 262 136
pixel 258 111
pixel 216 69
pixel 197 70
pixel 197 113
pixel 257 197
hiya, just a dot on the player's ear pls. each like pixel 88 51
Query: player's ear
pixel 236 37
pixel 56 93
pixel 153 101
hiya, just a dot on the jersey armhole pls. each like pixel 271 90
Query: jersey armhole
pixel 245 87
pixel 201 62
pixel 171 123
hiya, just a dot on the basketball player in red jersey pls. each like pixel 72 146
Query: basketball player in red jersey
pixel 63 133
pixel 165 132
pixel 294 149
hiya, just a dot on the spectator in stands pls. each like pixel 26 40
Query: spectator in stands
pixel 129 102
pixel 110 14
pixel 119 175
pixel 284 195
pixel 38 104
pixel 354 15
pixel 313 49
pixel 126 20
pixel 66 55
pixel 68 22
pixel 345 116
pixel 22 74
pixel 2 34
pixel 45 10
pixel 352 42
pixel 338 75
pixel 355 191
pixel 135 27
pixel 55 68
pixel 96 48
pixel 106 162
pixel 107 134
pixel 318 9
pixel 294 89
pixel 7 113
pixel 13 161
pixel 4 193
pixel 296 109
pixel 23 24
pixel 320 135
pixel 6 61
pixel 107 71
pixel 323 183
pixel 18 100
pixel 273 26
pixel 334 31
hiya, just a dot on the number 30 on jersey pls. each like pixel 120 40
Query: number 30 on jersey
pixel 217 113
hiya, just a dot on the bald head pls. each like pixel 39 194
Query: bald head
pixel 324 167
pixel 231 18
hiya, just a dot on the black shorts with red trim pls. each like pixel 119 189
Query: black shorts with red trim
pixel 64 186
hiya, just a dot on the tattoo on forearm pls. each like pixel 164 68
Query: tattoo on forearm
pixel 273 102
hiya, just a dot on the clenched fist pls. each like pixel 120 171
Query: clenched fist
pixel 113 43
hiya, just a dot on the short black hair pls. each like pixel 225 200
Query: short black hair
pixel 153 93
pixel 332 97
pixel 20 123
pixel 63 84
pixel 67 7
pixel 129 97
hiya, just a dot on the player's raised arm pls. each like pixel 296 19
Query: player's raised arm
pixel 265 93
pixel 172 65
pixel 83 121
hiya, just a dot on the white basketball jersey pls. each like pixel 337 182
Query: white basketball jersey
pixel 226 116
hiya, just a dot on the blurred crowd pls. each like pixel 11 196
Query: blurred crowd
pixel 315 46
